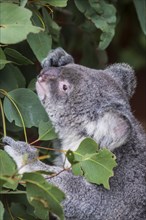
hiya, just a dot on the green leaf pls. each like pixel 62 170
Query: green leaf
pixel 23 3
pixel 51 26
pixel 3 180
pixel 11 78
pixel 7 170
pixel 103 15
pixel 3 63
pixel 31 84
pixel 12 1
pixel 17 57
pixel 3 60
pixel 140 6
pixel 82 6
pixel 87 146
pixel 15 23
pixel 19 210
pixel 96 166
pixel 46 131
pixel 70 156
pixel 1 210
pixel 56 3
pixel 43 196
pixel 7 165
pixel 106 38
pixel 8 182
pixel 40 43
pixel 29 106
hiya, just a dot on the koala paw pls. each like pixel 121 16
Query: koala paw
pixel 56 58
pixel 26 157
pixel 20 148
pixel 22 153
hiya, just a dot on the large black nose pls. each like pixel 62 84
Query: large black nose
pixel 49 73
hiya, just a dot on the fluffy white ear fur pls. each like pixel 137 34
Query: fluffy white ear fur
pixel 110 131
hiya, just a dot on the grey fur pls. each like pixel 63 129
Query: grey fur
pixel 96 104
pixel 57 58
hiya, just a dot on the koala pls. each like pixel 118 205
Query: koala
pixel 83 102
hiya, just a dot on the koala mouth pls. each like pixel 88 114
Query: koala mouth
pixel 41 89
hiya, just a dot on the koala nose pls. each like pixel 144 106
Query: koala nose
pixel 49 73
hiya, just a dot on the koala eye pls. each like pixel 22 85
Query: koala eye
pixel 65 87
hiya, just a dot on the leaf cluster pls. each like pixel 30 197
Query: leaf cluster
pixel 39 197
pixel 96 165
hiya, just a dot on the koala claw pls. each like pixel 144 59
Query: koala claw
pixel 56 58
pixel 8 140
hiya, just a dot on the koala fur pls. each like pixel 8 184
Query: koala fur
pixel 83 102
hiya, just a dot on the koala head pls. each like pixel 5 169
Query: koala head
pixel 81 90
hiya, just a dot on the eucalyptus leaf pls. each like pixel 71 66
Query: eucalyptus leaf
pixel 23 3
pixel 1 210
pixel 46 131
pixel 8 182
pixel 57 3
pixel 40 43
pixel 31 85
pixel 11 78
pixel 103 15
pixel 8 81
pixel 88 159
pixel 82 6
pixel 3 60
pixel 15 23
pixel 3 63
pixel 140 6
pixel 20 210
pixel 8 166
pixel 43 196
pixel 17 57
pixel 28 105
pixel 51 26
pixel 3 180
pixel 7 170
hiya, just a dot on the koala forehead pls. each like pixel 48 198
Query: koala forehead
pixel 72 75
pixel 91 80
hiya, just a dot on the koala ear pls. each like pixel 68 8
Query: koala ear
pixel 124 75
pixel 112 130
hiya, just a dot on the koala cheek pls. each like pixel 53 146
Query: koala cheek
pixel 40 91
